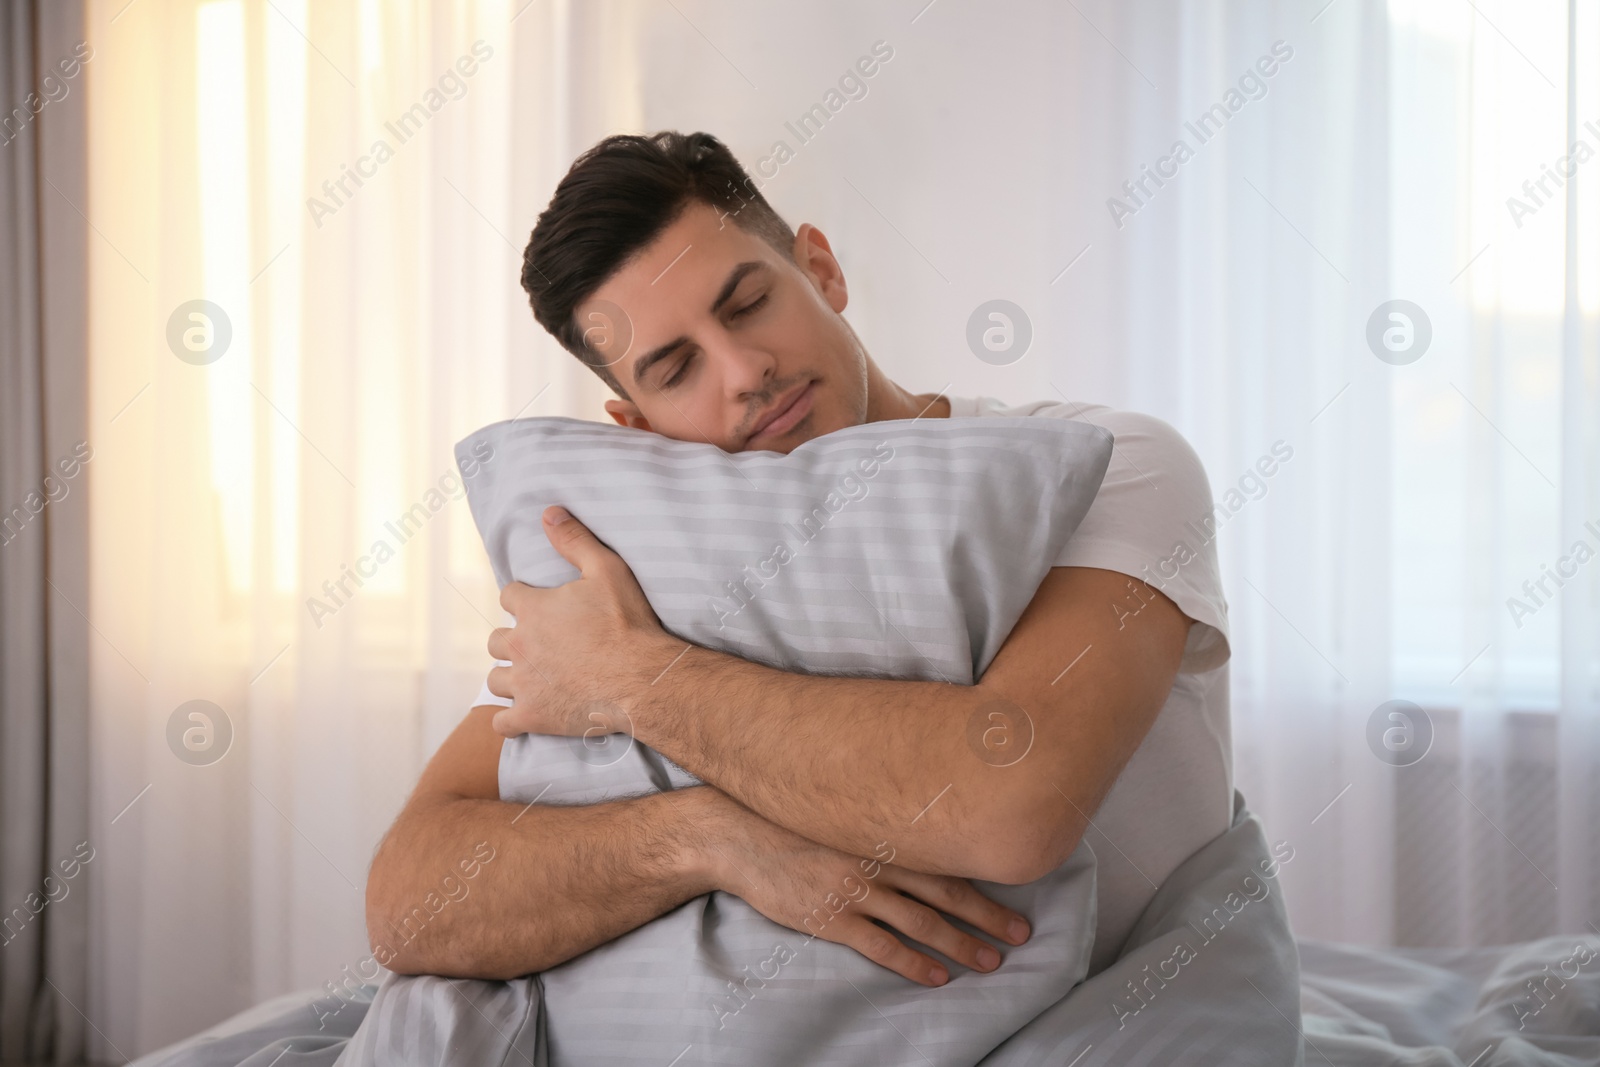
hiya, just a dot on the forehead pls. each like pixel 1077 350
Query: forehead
pixel 670 283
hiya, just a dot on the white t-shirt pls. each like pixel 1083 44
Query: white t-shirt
pixel 1149 521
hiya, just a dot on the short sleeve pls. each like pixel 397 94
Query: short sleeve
pixel 1154 519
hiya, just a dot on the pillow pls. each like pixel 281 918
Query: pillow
pixel 904 549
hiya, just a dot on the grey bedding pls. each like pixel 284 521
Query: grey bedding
pixel 1246 997
pixel 1535 1004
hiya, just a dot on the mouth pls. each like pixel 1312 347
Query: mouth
pixel 785 414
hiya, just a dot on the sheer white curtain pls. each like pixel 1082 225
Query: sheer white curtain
pixel 277 526
pixel 1393 567
pixel 376 326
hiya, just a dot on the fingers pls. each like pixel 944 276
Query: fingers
pixel 881 947
pixel 504 649
pixel 926 926
pixel 506 723
pixel 576 542
pixel 513 595
pixel 956 896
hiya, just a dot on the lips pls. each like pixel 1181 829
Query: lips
pixel 785 413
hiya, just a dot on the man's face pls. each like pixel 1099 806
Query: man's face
pixel 727 341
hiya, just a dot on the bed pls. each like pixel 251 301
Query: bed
pixel 1357 1005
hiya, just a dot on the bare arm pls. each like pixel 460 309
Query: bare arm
pixel 466 885
pixel 848 762
pixel 561 880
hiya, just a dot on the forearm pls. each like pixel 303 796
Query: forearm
pixel 848 762
pixel 852 763
pixel 562 880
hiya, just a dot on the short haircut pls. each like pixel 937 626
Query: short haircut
pixel 614 201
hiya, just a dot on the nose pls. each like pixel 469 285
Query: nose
pixel 747 370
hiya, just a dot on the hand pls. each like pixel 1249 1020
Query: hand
pixel 813 889
pixel 576 648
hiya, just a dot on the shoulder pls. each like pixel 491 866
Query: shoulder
pixel 1154 519
pixel 1158 457
pixel 1152 463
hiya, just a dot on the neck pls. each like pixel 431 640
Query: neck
pixel 886 400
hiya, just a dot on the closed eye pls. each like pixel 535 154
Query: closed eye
pixel 678 374
pixel 683 368
pixel 754 305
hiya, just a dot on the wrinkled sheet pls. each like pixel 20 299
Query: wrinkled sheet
pixel 1210 978
pixel 1534 1004
pixel 1234 1002
pixel 308 1028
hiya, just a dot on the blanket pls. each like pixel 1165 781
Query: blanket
pixel 1535 1004
pixel 1359 1006
pixel 1210 977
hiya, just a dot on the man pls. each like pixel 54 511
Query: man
pixel 660 266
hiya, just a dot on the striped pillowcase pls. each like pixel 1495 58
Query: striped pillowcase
pixel 901 549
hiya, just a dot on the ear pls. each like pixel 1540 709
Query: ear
pixel 814 257
pixel 627 414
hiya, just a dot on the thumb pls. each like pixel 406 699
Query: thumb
pixel 576 542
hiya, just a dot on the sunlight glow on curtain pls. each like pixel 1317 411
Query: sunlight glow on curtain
pixel 1434 489
pixel 278 526
pixel 1497 466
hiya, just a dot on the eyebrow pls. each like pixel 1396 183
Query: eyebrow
pixel 655 355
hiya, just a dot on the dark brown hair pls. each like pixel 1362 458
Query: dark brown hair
pixel 615 199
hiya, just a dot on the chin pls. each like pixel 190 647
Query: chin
pixel 834 414
pixel 823 420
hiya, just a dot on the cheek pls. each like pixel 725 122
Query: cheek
pixel 835 407
pixel 805 334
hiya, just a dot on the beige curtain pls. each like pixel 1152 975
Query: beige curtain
pixel 46 452
pixel 311 219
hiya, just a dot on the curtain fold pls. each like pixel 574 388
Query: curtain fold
pixel 1272 250
pixel 1382 572
pixel 1578 835
pixel 306 290
pixel 46 448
